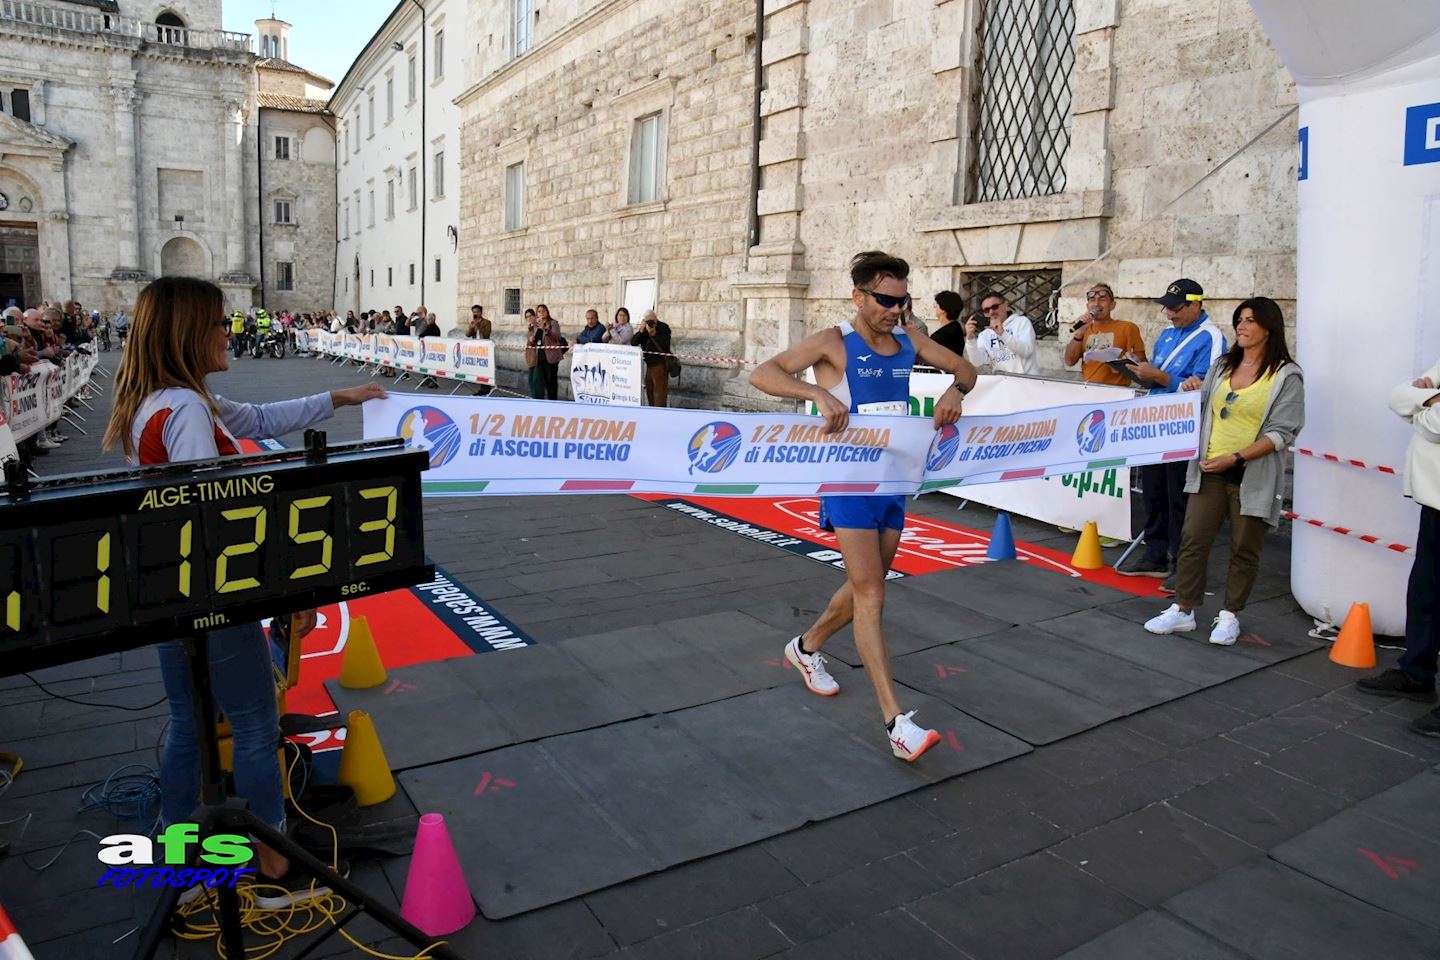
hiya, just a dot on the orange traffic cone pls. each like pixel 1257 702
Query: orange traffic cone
pixel 363 766
pixel 12 947
pixel 1355 646
pixel 360 667
pixel 1088 555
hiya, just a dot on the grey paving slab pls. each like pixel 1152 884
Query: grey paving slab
pixel 1097 755
pixel 689 893
pixel 811 912
pixel 985 843
pixel 793 751
pixel 1031 909
pixel 526 833
pixel 426 713
pixel 1346 766
pixel 1081 669
pixel 1152 936
pixel 651 669
pixel 621 767
pixel 1181 656
pixel 1154 853
pixel 1017 703
pixel 1413 805
pixel 1270 912
pixel 1259 805
pixel 895 933
pixel 1010 603
pixel 742 934
pixel 827 847
pixel 541 691
pixel 1272 641
pixel 1372 860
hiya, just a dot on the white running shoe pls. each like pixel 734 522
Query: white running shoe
pixel 1227 629
pixel 45 443
pixel 1172 621
pixel 908 739
pixel 812 669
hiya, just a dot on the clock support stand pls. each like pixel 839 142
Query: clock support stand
pixel 218 813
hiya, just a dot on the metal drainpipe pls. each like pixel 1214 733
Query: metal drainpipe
pixel 260 191
pixel 753 233
pixel 424 155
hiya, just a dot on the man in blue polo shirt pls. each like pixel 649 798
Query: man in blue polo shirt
pixel 1186 349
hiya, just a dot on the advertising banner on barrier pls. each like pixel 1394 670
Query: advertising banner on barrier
pixel 605 374
pixel 472 360
pixel 435 356
pixel 407 352
pixel 24 406
pixel 384 350
pixel 1069 500
pixel 492 446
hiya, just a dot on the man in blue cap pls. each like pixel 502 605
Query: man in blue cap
pixel 1185 349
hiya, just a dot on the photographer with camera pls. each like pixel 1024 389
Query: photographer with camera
pixel 654 339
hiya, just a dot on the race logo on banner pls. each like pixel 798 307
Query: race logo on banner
pixel 608 375
pixel 494 446
pixel 473 360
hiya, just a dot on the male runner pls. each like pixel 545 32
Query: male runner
pixel 864 367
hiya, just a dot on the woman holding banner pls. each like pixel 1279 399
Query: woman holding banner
pixel 1252 408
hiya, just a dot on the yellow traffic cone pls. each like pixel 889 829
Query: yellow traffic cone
pixel 1087 555
pixel 1355 644
pixel 361 667
pixel 363 766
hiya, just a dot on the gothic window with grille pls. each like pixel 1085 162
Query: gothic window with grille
pixel 1031 292
pixel 1022 102
pixel 512 301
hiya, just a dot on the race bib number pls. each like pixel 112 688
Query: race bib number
pixel 886 408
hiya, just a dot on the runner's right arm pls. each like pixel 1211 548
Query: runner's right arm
pixel 778 376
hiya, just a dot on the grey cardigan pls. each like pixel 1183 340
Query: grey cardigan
pixel 1283 418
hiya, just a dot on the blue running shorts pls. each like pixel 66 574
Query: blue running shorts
pixel 862 513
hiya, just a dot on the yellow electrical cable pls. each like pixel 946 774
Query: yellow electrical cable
pixel 281 926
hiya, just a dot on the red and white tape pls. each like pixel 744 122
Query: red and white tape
pixel 1347 532
pixel 1348 461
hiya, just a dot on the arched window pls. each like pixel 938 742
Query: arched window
pixel 169 28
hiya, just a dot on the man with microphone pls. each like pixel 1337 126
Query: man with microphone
pixel 1098 331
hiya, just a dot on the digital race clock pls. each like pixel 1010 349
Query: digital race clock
pixel 104 562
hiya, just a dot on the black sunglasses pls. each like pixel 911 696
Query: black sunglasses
pixel 886 300
pixel 1230 398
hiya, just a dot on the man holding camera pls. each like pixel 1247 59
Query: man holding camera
pixel 1006 342
pixel 654 339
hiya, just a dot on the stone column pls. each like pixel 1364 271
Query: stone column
pixel 235 180
pixel 127 190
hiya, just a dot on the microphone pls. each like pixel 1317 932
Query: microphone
pixel 1092 314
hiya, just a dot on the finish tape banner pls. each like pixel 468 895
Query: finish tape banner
pixel 487 445
pixel 450 358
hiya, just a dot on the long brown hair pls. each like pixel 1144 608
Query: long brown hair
pixel 169 346
pixel 1272 320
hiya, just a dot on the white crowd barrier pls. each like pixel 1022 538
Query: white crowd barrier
pixel 447 358
pixel 30 402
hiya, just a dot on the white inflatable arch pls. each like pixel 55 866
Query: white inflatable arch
pixel 1368 77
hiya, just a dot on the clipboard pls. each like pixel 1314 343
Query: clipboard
pixel 1126 368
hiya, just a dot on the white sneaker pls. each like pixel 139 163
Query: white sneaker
pixel 1227 629
pixel 812 669
pixel 57 437
pixel 45 443
pixel 908 739
pixel 1172 621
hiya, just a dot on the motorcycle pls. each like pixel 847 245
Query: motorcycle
pixel 272 343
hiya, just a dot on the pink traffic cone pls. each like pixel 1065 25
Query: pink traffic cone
pixel 437 900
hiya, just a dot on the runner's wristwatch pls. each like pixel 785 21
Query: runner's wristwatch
pixel 963 391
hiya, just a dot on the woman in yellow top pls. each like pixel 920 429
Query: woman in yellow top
pixel 1252 408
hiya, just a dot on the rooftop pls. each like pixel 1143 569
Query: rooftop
pixel 278 101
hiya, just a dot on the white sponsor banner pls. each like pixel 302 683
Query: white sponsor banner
pixel 407 352
pixel 28 402
pixel 1069 500
pixel 435 356
pixel 384 350
pixel 23 402
pixel 495 446
pixel 472 360
pixel 605 374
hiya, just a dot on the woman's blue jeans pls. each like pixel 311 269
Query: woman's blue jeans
pixel 243 681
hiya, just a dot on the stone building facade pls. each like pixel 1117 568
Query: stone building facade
pixel 295 192
pixel 1032 145
pixel 91 166
pixel 398 175
pixel 607 162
